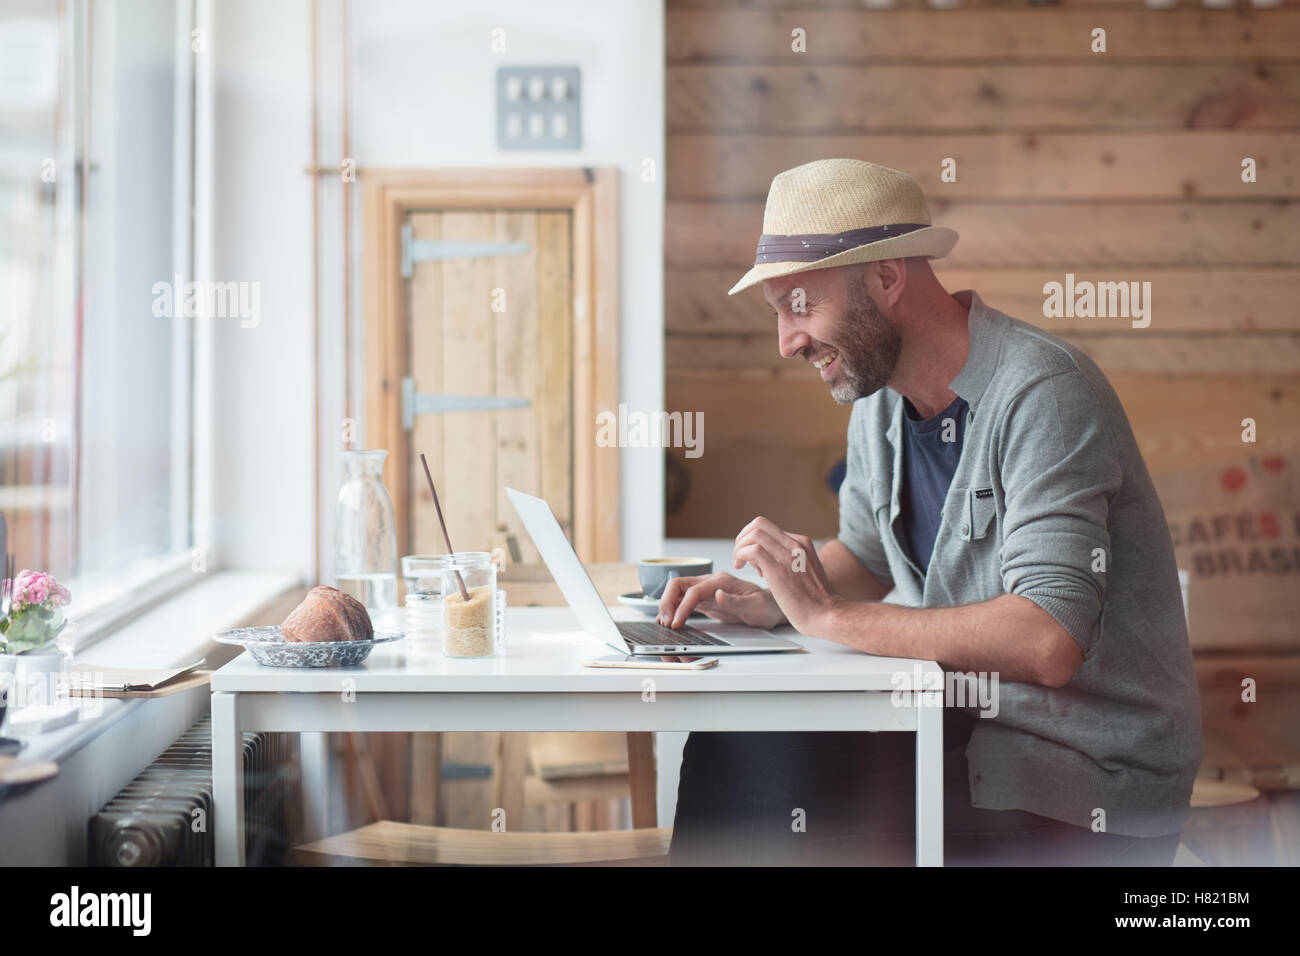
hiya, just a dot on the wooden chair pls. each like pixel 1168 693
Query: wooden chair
pixel 389 843
pixel 393 843
pixel 1228 825
pixel 576 781
pixel 1246 800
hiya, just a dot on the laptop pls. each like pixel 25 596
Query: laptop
pixel 629 637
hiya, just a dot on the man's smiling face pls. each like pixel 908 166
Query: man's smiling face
pixel 827 317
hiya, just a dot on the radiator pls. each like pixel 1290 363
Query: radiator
pixel 164 816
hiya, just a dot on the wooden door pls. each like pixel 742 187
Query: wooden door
pixel 491 326
pixel 556 330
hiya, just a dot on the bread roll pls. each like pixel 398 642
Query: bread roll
pixel 327 614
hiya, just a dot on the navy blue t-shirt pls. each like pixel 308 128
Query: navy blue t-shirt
pixel 929 463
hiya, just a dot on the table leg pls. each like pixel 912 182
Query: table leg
pixel 929 779
pixel 314 747
pixel 641 779
pixel 227 780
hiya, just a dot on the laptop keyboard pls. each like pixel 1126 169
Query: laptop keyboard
pixel 650 634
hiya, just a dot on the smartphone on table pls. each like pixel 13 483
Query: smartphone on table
pixel 675 662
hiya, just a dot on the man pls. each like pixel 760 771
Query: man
pixel 994 486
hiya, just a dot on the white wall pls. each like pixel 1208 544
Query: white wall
pixel 422 96
pixel 263 384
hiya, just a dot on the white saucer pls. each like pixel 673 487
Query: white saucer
pixel 647 606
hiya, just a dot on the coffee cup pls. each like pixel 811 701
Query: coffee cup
pixel 655 573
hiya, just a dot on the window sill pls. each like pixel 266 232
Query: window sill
pixel 176 632
pixel 105 602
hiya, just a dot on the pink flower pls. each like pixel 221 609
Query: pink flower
pixel 39 588
pixel 37 592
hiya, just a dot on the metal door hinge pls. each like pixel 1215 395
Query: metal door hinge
pixel 439 250
pixel 415 403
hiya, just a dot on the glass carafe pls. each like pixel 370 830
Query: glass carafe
pixel 365 555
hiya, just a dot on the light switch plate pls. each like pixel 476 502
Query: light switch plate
pixel 539 107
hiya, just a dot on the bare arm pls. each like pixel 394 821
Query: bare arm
pixel 847 577
pixel 1009 635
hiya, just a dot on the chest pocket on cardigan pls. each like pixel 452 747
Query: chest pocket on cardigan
pixel 970 513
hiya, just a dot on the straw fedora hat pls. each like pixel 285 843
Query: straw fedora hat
pixel 838 212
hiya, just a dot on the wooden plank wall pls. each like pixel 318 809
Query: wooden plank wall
pixel 1117 166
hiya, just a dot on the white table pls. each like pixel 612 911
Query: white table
pixel 539 684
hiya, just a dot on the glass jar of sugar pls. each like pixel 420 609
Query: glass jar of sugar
pixel 470 628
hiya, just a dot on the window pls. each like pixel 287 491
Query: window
pixel 96 403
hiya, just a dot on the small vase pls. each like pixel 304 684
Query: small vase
pixel 8 664
pixel 41 676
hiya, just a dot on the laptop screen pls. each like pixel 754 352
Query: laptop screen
pixel 562 561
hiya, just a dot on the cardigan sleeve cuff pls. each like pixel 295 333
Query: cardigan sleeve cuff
pixel 1075 612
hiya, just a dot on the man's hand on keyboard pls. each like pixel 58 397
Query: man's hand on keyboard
pixel 722 596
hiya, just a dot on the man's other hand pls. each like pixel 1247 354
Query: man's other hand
pixel 793 571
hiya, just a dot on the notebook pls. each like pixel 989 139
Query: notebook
pixel 87 676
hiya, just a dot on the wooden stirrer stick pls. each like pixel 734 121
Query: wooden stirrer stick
pixel 460 582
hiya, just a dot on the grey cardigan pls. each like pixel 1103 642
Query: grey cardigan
pixel 1051 500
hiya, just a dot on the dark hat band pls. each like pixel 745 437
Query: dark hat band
pixel 813 246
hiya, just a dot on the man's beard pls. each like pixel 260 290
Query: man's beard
pixel 868 347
